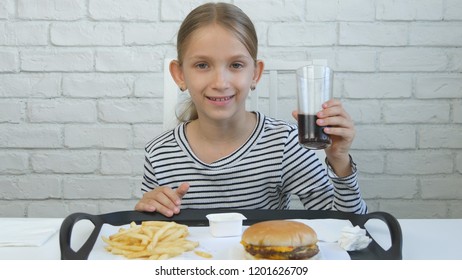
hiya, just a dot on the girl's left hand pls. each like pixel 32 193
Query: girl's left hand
pixel 340 127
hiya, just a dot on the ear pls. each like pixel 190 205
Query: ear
pixel 177 74
pixel 260 65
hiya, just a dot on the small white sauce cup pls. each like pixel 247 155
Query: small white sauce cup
pixel 225 224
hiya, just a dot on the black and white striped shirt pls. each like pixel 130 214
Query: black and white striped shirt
pixel 261 174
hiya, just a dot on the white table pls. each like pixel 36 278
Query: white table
pixel 423 239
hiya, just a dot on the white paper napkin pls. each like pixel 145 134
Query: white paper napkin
pixel 27 232
pixel 327 230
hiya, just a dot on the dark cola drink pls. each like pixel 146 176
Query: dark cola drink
pixel 310 134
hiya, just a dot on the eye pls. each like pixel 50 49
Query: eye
pixel 237 65
pixel 202 65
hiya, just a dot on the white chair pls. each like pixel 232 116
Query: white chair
pixel 267 91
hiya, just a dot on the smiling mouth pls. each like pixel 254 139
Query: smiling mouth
pixel 220 99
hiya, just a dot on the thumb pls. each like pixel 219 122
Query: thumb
pixel 182 189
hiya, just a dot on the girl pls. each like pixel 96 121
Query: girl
pixel 222 156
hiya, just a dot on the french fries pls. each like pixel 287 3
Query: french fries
pixel 156 240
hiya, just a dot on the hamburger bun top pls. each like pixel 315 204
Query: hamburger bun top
pixel 279 233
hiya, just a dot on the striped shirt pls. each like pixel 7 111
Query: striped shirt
pixel 262 174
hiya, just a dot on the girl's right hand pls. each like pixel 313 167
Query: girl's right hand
pixel 163 200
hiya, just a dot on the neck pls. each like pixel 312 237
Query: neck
pixel 225 131
pixel 211 141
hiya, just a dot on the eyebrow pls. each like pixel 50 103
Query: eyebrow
pixel 235 57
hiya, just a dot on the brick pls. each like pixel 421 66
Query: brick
pixel 30 85
pixel 62 111
pixel 122 162
pixel 12 209
pixel 52 9
pixel 322 10
pixel 97 136
pixel 7 8
pixel 47 209
pixel 457 111
pixel 130 111
pixel 415 209
pixel 439 86
pixel 65 161
pixel 39 187
pixel 56 60
pixel 122 10
pixel 412 59
pixel 151 85
pixel 373 34
pixel 455 59
pixel 9 61
pixel 97 187
pixel 272 10
pixel 306 34
pixel 375 137
pixel 86 34
pixel 116 205
pixel 30 187
pixel 377 86
pixel 85 206
pixel 332 10
pixel 453 10
pixel 419 162
pixel 363 111
pixel 177 10
pixel 24 34
pixel 455 209
pixel 410 111
pixel 11 111
pixel 409 10
pixel 151 34
pixel 14 162
pixel 436 34
pixel 447 187
pixel 459 162
pixel 30 136
pixel 144 133
pixel 129 60
pixel 388 187
pixel 369 162
pixel 357 60
pixel 96 85
pixel 441 136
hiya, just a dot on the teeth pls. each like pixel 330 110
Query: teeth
pixel 219 99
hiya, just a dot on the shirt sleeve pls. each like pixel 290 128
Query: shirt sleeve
pixel 317 188
pixel 347 195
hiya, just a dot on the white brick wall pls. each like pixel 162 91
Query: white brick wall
pixel 81 87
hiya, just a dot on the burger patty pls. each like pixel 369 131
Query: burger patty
pixel 295 253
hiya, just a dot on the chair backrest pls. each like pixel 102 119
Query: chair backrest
pixel 264 99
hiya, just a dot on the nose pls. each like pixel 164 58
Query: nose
pixel 221 78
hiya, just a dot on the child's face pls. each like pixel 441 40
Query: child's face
pixel 218 72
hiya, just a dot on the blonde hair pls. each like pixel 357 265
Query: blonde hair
pixel 225 15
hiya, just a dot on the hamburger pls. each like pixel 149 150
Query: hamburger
pixel 280 240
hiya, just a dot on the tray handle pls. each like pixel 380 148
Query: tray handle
pixel 395 250
pixel 65 234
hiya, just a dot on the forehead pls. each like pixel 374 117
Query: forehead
pixel 214 38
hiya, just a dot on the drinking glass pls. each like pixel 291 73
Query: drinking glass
pixel 314 87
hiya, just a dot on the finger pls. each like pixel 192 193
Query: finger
pixel 182 190
pixel 342 132
pixel 144 207
pixel 331 103
pixel 337 121
pixel 295 115
pixel 166 202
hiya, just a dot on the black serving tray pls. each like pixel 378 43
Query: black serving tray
pixel 197 218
